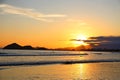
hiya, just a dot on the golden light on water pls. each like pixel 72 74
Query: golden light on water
pixel 81 69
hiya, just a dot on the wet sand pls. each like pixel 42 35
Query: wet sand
pixel 87 71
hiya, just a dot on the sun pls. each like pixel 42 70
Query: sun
pixel 81 37
pixel 80 40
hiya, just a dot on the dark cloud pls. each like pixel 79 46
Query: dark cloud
pixel 106 42
pixel 107 38
pixel 104 39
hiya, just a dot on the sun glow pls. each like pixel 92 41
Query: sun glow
pixel 80 40
pixel 81 37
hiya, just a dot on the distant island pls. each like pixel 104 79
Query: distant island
pixel 27 47
pixel 79 48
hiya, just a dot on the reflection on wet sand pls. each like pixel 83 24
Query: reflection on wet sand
pixel 90 71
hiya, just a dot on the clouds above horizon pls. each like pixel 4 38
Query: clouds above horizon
pixel 105 39
pixel 31 13
pixel 104 42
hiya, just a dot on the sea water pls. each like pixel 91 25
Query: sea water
pixel 59 65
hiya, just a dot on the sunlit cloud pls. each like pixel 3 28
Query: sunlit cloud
pixel 31 13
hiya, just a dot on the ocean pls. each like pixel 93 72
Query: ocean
pixel 59 65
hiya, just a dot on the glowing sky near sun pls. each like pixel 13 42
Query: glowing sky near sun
pixel 52 23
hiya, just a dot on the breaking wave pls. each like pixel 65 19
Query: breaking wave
pixel 56 62
pixel 41 54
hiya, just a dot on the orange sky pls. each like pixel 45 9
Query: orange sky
pixel 53 26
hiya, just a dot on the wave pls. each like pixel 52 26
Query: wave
pixel 61 54
pixel 56 62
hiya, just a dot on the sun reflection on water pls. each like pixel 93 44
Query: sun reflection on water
pixel 83 71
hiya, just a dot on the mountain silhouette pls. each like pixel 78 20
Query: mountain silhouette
pixel 13 46
pixel 27 47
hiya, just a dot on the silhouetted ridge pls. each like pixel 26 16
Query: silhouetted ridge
pixel 28 47
pixel 41 48
pixel 13 46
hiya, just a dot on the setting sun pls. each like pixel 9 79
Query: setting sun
pixel 80 40
pixel 81 37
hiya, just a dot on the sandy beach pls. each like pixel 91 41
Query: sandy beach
pixel 90 71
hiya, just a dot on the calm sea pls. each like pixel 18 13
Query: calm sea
pixel 59 65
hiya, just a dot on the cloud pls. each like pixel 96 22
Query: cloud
pixel 75 40
pixel 105 39
pixel 29 13
pixel 103 42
